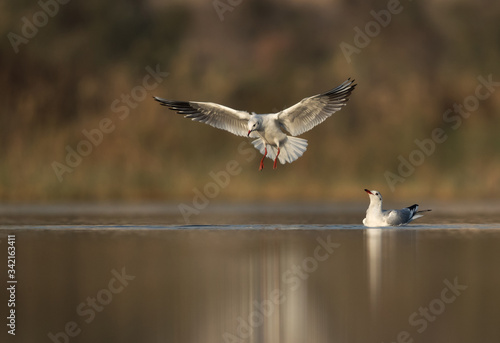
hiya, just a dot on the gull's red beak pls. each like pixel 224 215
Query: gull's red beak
pixel 367 191
pixel 249 132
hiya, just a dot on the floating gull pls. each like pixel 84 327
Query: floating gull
pixel 376 216
pixel 267 128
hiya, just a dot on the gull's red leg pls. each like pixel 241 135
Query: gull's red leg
pixel 262 161
pixel 275 165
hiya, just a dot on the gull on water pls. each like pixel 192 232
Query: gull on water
pixel 270 140
pixel 376 216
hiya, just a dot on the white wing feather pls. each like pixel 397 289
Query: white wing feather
pixel 216 115
pixel 312 111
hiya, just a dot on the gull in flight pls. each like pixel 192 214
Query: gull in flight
pixel 270 140
pixel 376 216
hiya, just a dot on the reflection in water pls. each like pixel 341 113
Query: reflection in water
pixel 259 284
pixel 277 308
pixel 373 239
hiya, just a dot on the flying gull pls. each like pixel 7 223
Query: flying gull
pixel 376 216
pixel 270 140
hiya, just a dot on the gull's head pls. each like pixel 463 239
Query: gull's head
pixel 254 124
pixel 374 195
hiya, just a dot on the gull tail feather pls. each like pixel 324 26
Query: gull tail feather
pixel 291 150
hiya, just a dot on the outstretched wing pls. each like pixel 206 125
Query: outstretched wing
pixel 312 111
pixel 216 115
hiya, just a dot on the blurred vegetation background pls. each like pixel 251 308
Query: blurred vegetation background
pixel 263 56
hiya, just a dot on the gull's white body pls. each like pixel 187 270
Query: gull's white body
pixel 271 133
pixel 268 131
pixel 270 140
pixel 376 216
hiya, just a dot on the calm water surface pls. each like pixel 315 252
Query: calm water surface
pixel 284 273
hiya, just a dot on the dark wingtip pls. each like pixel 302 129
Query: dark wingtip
pixel 161 101
pixel 173 104
pixel 344 91
pixel 351 82
pixel 413 207
pixel 181 107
